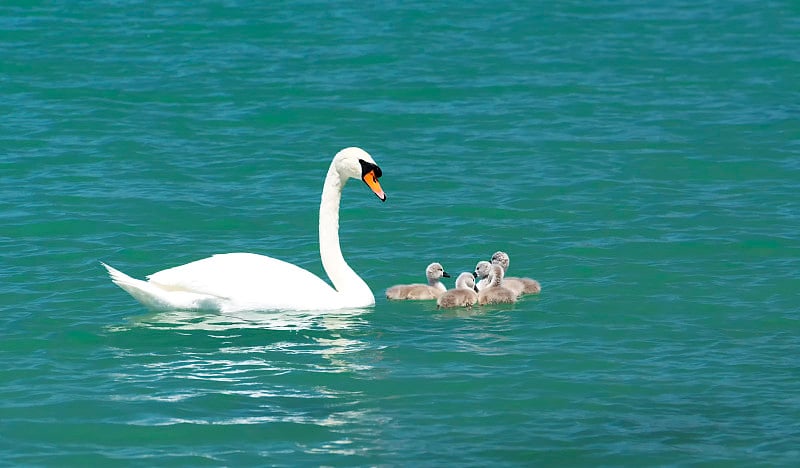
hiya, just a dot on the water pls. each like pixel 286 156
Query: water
pixel 640 160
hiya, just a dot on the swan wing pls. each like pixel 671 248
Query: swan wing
pixel 249 281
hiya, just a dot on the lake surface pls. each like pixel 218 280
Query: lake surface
pixel 641 160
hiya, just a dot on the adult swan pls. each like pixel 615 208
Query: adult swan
pixel 245 281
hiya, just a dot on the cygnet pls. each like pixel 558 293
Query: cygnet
pixel 435 288
pixel 482 270
pixel 495 292
pixel 526 285
pixel 463 295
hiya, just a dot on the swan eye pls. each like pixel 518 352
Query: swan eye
pixel 367 167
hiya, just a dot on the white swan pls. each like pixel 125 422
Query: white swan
pixel 495 292
pixel 245 281
pixel 525 285
pixel 434 273
pixel 463 295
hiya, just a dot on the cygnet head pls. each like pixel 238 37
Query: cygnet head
pixel 435 272
pixel 356 163
pixel 482 269
pixel 465 280
pixel 501 258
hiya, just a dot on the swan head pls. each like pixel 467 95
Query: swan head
pixel 482 269
pixel 465 281
pixel 355 163
pixel 435 272
pixel 501 258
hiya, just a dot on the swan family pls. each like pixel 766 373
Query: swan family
pixel 487 284
pixel 236 282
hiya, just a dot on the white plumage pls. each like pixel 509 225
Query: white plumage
pixel 246 281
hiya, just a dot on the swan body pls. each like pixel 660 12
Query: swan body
pixel 529 286
pixel 246 281
pixel 495 292
pixel 434 273
pixel 525 285
pixel 463 295
pixel 514 284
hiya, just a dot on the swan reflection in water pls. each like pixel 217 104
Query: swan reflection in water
pixel 276 366
pixel 258 361
pixel 236 348
pixel 327 334
pixel 341 319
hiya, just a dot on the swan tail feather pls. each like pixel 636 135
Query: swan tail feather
pixel 117 275
pixel 152 296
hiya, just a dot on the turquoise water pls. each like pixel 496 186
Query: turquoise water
pixel 641 160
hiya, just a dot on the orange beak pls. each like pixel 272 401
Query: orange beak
pixel 374 185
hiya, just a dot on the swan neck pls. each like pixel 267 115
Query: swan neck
pixel 344 279
pixel 496 276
